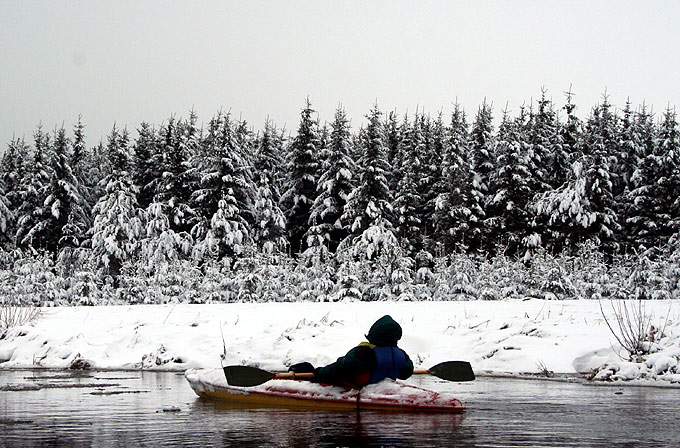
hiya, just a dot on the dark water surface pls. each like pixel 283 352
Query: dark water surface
pixel 59 408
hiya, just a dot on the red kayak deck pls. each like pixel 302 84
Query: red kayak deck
pixel 387 395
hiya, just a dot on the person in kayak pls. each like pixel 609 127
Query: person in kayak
pixel 367 363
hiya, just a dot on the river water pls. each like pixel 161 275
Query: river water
pixel 60 408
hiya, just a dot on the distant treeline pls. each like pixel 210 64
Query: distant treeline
pixel 418 186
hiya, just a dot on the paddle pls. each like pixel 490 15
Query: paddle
pixel 245 376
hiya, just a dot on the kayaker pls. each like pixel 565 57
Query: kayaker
pixel 367 363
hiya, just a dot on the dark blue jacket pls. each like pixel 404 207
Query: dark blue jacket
pixel 372 361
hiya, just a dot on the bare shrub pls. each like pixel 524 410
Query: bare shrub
pixel 13 316
pixel 633 328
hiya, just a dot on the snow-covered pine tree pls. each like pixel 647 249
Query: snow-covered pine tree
pixel 161 245
pixel 32 193
pixel 549 159
pixel 269 231
pixel 95 168
pixel 371 242
pixel 65 214
pixel 582 210
pixel 451 212
pixel 435 185
pixel 550 231
pixel 481 141
pixel 269 158
pixel 483 159
pixel 396 161
pixel 225 198
pixel 571 134
pixel 146 164
pixel 174 186
pixel 78 150
pixel 246 145
pixel 602 154
pixel 632 150
pixel 407 206
pixel 206 168
pixel 563 213
pixel 12 173
pixel 668 185
pixel 510 186
pixel 335 185
pixel 631 146
pixel 118 221
pixel 227 235
pixel 370 200
pixel 5 218
pixel 303 173
pixel 393 139
pixel 653 217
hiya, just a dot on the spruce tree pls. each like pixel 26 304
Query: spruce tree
pixel 78 150
pixel 13 171
pixel 269 158
pixel 269 231
pixel 571 135
pixel 669 182
pixel 393 144
pixel 408 201
pixel 603 184
pixel 483 159
pixel 438 153
pixel 549 159
pixel 632 151
pixel 65 214
pixel 335 185
pixel 146 164
pixel 582 209
pixel 370 200
pixel 32 193
pixel 160 244
pixel 95 168
pixel 396 161
pixel 630 145
pixel 303 173
pixel 5 219
pixel 174 186
pixel 118 222
pixel 225 197
pixel 451 212
pixel 510 186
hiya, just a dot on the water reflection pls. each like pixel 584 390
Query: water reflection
pixel 280 427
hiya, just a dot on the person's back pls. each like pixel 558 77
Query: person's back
pixel 369 362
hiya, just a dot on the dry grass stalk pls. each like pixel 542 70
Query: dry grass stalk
pixel 13 316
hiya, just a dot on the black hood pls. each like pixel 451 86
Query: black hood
pixel 385 332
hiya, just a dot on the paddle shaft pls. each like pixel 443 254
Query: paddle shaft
pixel 245 376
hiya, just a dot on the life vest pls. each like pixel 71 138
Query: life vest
pixel 389 362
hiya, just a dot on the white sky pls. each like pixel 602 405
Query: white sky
pixel 129 61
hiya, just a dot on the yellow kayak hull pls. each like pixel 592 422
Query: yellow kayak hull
pixel 384 396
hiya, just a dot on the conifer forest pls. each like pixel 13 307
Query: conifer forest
pixel 409 206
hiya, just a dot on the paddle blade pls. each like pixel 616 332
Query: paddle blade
pixel 244 376
pixel 453 371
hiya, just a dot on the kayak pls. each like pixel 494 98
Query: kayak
pixel 387 395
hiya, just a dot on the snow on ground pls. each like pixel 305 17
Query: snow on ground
pixel 497 337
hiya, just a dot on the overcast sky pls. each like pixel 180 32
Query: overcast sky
pixel 127 62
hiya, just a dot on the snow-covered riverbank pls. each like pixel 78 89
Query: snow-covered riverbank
pixel 498 337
